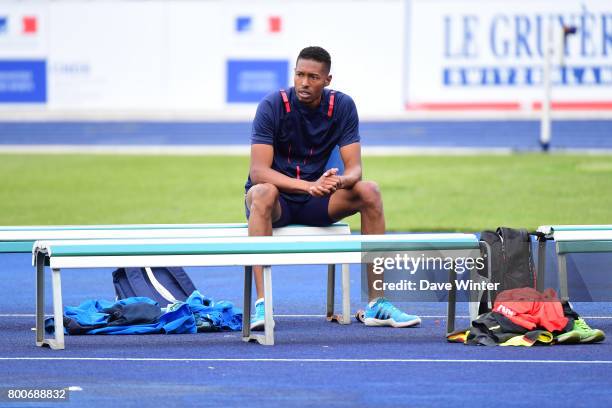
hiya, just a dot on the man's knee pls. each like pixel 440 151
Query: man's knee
pixel 263 197
pixel 369 193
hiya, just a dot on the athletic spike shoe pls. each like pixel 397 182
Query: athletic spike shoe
pixel 588 335
pixel 382 313
pixel 258 319
pixel 581 333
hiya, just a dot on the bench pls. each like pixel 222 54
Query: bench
pixel 20 239
pixel 226 251
pixel 570 239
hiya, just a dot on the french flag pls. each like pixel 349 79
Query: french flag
pixel 275 24
pixel 29 24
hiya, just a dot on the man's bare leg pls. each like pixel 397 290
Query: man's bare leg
pixel 366 199
pixel 264 207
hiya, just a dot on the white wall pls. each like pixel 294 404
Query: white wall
pixel 162 58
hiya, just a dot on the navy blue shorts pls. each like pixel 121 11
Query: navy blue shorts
pixel 313 211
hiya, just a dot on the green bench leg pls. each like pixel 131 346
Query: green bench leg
pixel 58 311
pixel 346 294
pixel 40 299
pixel 269 318
pixel 563 291
pixel 56 343
pixel 267 339
pixel 452 301
pixel 345 317
pixel 475 297
pixel 246 316
pixel 331 282
pixel 541 271
pixel 474 304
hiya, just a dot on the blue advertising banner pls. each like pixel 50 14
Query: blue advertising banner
pixel 251 80
pixel 23 81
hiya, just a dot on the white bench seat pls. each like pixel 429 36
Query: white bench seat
pixel 19 239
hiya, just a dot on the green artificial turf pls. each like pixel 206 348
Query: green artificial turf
pixel 429 193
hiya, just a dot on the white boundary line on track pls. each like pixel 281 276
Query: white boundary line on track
pixel 314 316
pixel 303 360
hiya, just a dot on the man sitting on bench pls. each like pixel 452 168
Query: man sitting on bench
pixel 294 133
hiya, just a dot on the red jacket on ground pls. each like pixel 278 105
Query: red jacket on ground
pixel 530 309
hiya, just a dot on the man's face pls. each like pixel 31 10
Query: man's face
pixel 309 80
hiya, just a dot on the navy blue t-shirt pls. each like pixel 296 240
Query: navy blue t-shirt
pixel 304 138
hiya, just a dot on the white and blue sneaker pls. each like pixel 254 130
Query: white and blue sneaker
pixel 381 312
pixel 258 319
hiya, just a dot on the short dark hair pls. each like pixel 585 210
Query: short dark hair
pixel 316 54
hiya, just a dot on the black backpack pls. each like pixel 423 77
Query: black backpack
pixel 511 261
pixel 163 285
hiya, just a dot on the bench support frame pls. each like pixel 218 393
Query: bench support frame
pixel 56 343
pixel 267 339
pixel 475 296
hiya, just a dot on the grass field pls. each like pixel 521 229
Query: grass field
pixel 447 193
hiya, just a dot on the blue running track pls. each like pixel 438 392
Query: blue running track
pixel 514 134
pixel 313 364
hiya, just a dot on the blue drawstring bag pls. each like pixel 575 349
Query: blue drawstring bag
pixel 163 285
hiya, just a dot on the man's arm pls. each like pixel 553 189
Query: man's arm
pixel 351 157
pixel 330 181
pixel 262 153
pixel 261 171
